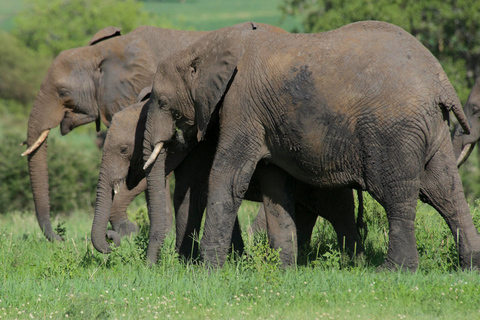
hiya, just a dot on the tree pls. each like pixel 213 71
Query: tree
pixel 450 29
pixel 22 71
pixel 51 26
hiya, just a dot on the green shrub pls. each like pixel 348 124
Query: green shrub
pixel 22 72
pixel 73 166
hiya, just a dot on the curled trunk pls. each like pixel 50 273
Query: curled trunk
pixel 103 205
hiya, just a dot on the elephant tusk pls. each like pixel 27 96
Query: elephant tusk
pixel 37 143
pixel 154 155
pixel 467 149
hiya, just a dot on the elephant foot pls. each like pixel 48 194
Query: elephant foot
pixel 125 228
pixel 409 265
pixel 470 261
pixel 55 237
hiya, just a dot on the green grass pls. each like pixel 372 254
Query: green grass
pixel 41 280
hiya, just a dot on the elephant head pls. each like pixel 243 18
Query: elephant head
pixel 83 85
pixel 463 143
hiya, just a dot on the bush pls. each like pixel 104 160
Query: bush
pixel 21 69
pixel 50 27
pixel 73 167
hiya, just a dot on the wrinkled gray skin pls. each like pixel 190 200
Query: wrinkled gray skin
pixel 463 144
pixel 122 164
pixel 363 106
pixel 89 84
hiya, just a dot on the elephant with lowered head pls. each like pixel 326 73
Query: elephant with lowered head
pixel 363 106
pixel 122 165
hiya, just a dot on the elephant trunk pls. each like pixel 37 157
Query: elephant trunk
pixel 156 198
pixel 103 206
pixel 38 170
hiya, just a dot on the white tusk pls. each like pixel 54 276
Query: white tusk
pixel 465 153
pixel 154 155
pixel 37 143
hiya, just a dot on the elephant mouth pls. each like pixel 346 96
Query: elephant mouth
pixel 117 186
pixel 467 149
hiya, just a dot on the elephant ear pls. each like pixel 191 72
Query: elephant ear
pixel 104 34
pixel 128 68
pixel 144 94
pixel 214 62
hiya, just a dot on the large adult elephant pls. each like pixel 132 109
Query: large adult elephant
pixel 363 106
pixel 464 142
pixel 122 164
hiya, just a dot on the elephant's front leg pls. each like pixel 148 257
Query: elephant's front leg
pixel 278 190
pixel 232 170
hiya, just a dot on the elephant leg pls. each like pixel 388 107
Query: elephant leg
pixel 399 198
pixel 190 200
pixel 229 179
pixel 118 214
pixel 188 218
pixel 442 188
pixel 259 224
pixel 335 205
pixel 168 206
pixel 305 220
pixel 278 190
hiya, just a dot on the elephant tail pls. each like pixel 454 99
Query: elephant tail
pixel 449 100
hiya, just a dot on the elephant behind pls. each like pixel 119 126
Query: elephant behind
pixel 122 166
pixel 364 106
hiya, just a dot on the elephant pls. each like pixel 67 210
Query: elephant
pixel 364 106
pixel 463 142
pixel 122 165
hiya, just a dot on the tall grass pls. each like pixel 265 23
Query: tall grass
pixel 57 280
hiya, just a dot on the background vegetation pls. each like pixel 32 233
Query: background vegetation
pixel 39 279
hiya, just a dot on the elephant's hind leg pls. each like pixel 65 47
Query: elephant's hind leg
pixel 442 188
pixel 399 198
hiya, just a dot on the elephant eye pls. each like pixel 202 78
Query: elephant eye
pixel 476 110
pixel 124 150
pixel 63 93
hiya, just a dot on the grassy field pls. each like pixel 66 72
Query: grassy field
pixel 70 279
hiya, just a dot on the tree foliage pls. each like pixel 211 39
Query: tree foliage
pixel 51 26
pixel 21 70
pixel 450 29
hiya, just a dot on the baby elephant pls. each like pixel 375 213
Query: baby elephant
pixel 122 167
